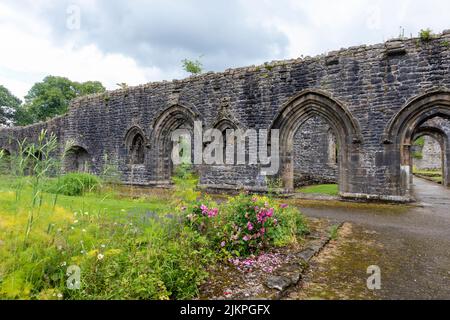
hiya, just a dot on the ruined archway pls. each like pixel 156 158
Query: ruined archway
pixel 223 126
pixel 77 160
pixel 135 143
pixel 441 138
pixel 300 109
pixel 173 118
pixel 315 154
pixel 401 132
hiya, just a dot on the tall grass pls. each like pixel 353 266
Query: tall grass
pixel 145 248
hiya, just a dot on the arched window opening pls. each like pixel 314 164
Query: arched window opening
pixel 137 150
pixel 427 158
pixel 77 160
pixel 315 154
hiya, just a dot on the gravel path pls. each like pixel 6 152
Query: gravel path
pixel 412 248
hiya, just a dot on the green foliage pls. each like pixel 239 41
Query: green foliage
pixel 420 142
pixel 245 225
pixel 192 66
pixel 426 35
pixel 274 186
pixel 417 155
pixel 51 98
pixel 254 223
pixel 74 184
pixel 126 249
pixel 9 104
pixel 122 254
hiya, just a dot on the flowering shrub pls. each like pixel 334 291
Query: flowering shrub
pixel 252 223
pixel 200 217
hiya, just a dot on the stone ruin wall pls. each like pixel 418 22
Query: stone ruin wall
pixel 371 83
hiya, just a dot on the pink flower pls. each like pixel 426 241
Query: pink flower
pixel 246 238
pixel 263 230
pixel 213 212
pixel 283 206
pixel 249 226
pixel 223 244
pixel 270 213
pixel 275 221
pixel 254 199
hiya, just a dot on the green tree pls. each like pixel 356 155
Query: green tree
pixel 90 87
pixel 51 98
pixel 8 106
pixel 192 66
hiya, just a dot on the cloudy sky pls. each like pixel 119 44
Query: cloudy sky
pixel 145 40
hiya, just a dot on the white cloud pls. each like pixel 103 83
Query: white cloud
pixel 30 55
pixel 143 41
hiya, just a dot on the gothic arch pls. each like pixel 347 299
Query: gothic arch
pixel 77 159
pixel 173 118
pixel 225 124
pixel 301 108
pixel 417 111
pixel 135 143
pixel 399 133
pixel 442 138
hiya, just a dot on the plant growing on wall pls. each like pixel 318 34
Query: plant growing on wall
pixel 192 66
pixel 426 35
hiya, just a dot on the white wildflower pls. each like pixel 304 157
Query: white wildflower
pixel 100 256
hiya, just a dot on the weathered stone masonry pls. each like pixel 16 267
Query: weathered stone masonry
pixel 373 99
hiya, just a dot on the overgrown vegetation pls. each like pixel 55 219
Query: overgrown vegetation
pixel 145 248
pixel 74 184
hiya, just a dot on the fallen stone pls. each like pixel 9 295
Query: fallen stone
pixel 279 283
pixel 307 254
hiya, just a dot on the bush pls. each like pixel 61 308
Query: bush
pixel 245 224
pixel 74 184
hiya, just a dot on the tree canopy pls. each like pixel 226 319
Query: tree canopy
pixel 51 98
pixel 8 106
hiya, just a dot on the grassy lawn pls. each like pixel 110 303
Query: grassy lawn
pixel 324 189
pixel 435 175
